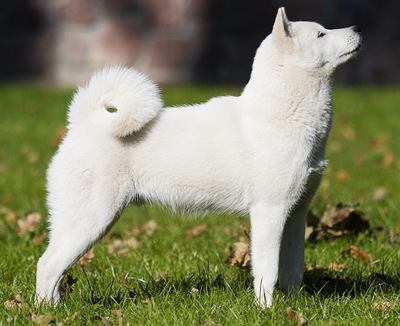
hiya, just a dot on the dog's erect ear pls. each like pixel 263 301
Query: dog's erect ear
pixel 281 33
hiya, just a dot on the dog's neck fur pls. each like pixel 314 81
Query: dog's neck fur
pixel 293 95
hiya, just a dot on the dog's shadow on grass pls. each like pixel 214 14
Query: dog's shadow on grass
pixel 317 282
pixel 185 285
pixel 321 282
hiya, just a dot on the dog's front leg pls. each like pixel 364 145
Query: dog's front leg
pixel 267 224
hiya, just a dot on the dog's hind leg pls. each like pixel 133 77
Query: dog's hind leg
pixel 291 262
pixel 74 228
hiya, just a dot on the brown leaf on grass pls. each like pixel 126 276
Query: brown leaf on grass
pixel 15 302
pixel 197 230
pixel 121 247
pixel 308 232
pixel 116 246
pixel 296 316
pixel 133 231
pixel 104 320
pixel 3 167
pixel 30 154
pixel 336 267
pixel 379 193
pixel 342 175
pixel 336 222
pixel 312 219
pixel 132 243
pixel 117 314
pixel 348 132
pixel 345 218
pixel 335 146
pixel 58 136
pixel 9 215
pixel 39 238
pixel 311 267
pixel 387 159
pixel 67 283
pixel 359 254
pixel 149 227
pixel 87 258
pixel 240 255
pixel 383 305
pixel 378 142
pixel 42 320
pixel 28 224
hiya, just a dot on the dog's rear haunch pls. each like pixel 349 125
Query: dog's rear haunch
pixel 260 153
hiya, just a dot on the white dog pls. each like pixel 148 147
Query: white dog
pixel 261 152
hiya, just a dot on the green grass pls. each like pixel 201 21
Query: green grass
pixel 154 283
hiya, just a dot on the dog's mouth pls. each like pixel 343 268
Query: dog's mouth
pixel 356 49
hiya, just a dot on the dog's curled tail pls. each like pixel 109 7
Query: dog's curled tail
pixel 118 99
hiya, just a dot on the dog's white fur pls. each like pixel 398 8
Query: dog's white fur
pixel 261 152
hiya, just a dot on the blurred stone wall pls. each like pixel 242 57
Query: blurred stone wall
pixel 212 41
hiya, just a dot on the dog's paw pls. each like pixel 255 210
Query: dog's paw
pixel 264 294
pixel 264 300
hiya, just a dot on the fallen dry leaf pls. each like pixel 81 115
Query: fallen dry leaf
pixel 29 224
pixel 357 253
pixel 336 222
pixel 67 283
pixel 342 175
pixel 39 238
pixel 378 142
pixel 312 219
pixel 308 232
pixel 3 167
pixel 197 230
pixel 30 155
pixel 15 302
pixel 345 218
pixel 42 320
pixel 58 136
pixel 296 316
pixel 383 305
pixel 121 247
pixel 336 267
pixel 9 215
pixel 149 227
pixel 336 146
pixel 117 313
pixel 133 231
pixel 348 132
pixel 104 320
pixel 240 255
pixel 387 159
pixel 132 243
pixel 87 258
pixel 311 267
pixel 379 193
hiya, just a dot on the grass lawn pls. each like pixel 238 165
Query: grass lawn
pixel 178 277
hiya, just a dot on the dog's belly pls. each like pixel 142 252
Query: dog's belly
pixel 190 194
pixel 191 163
pixel 190 182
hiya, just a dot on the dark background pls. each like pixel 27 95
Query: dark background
pixel 206 41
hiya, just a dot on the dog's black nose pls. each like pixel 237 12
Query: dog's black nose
pixel 356 29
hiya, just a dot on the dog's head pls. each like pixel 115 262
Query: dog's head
pixel 311 46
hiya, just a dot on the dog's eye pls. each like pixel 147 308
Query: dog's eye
pixel 320 34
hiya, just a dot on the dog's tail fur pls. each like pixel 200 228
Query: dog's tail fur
pixel 118 99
